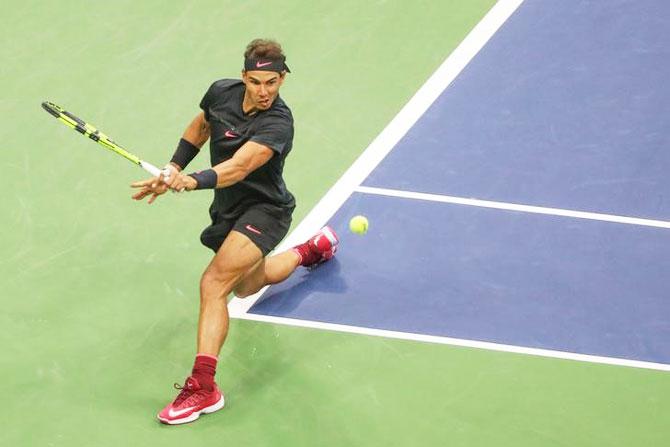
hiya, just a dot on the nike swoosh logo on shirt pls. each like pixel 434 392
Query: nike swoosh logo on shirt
pixel 260 64
pixel 174 414
pixel 231 134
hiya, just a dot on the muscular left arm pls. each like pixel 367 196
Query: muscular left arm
pixel 247 159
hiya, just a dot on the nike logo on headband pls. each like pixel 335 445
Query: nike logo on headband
pixel 260 64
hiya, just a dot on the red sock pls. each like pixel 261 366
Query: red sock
pixel 204 369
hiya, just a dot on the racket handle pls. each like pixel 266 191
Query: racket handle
pixel 153 170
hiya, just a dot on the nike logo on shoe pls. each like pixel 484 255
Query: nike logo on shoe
pixel 260 64
pixel 174 414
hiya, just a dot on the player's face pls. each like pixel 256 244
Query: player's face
pixel 262 88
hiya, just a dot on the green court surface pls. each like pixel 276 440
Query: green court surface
pixel 99 293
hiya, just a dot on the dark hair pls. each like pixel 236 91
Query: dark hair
pixel 264 48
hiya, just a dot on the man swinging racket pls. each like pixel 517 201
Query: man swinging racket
pixel 250 129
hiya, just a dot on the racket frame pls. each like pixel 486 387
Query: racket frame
pixel 94 134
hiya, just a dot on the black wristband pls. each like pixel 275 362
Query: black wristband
pixel 184 154
pixel 206 179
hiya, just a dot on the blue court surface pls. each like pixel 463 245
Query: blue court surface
pixel 560 109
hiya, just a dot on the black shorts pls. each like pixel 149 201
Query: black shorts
pixel 265 224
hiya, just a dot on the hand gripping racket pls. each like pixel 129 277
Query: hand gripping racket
pixel 94 134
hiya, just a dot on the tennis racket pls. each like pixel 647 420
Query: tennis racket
pixel 94 134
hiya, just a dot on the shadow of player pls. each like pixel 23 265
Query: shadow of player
pixel 301 287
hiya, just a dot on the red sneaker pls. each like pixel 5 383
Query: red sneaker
pixel 191 402
pixel 319 248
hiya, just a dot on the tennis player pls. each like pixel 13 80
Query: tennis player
pixel 250 129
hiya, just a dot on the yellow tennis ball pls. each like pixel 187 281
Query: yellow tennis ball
pixel 358 224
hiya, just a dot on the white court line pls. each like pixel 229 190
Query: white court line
pixel 389 137
pixel 513 207
pixel 458 342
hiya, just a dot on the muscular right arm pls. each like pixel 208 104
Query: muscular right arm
pixel 197 133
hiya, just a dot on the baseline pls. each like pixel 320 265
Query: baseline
pixel 457 342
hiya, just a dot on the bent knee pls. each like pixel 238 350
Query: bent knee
pixel 244 290
pixel 251 282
